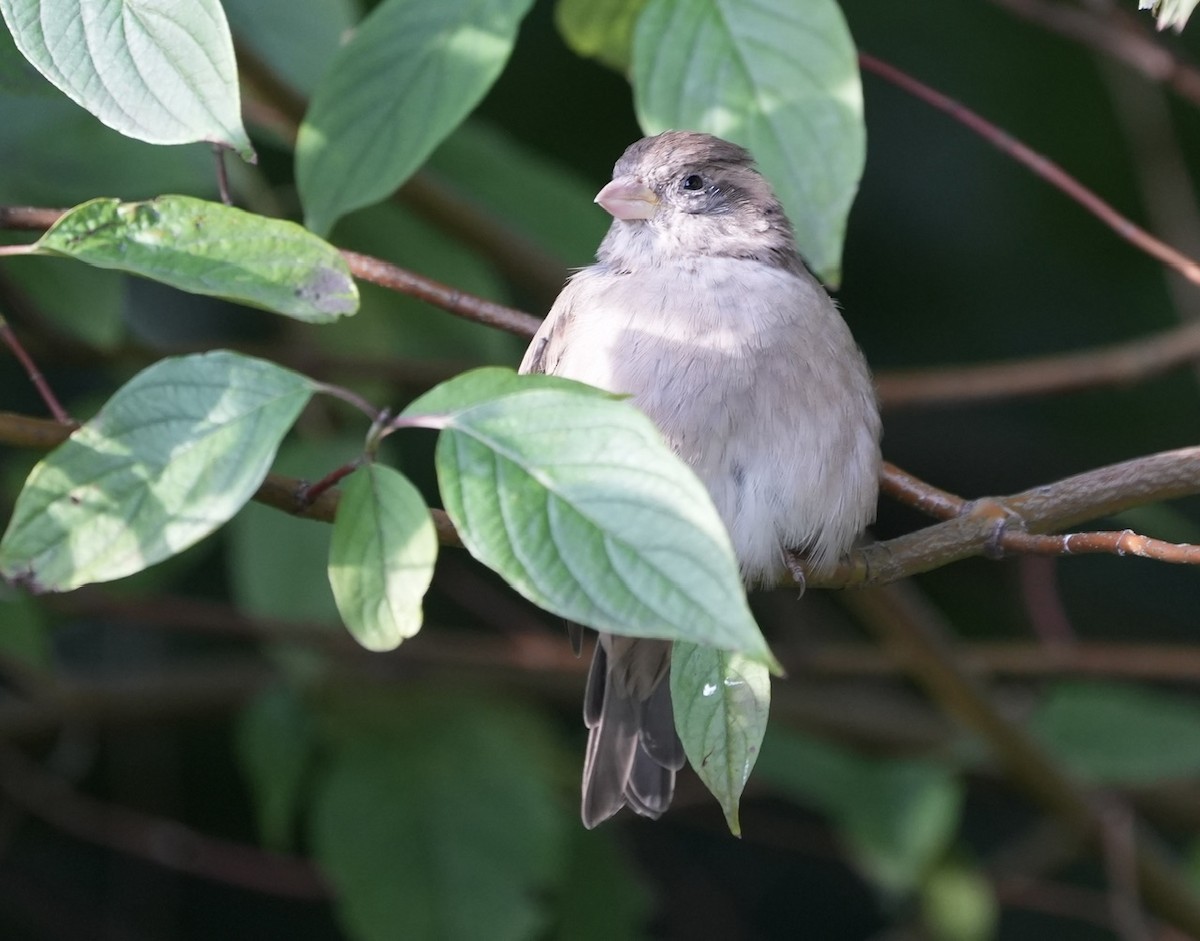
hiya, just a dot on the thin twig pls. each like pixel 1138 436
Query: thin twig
pixel 451 299
pixel 35 375
pixel 1118 841
pixel 1040 165
pixel 222 174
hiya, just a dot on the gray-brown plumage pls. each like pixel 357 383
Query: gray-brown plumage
pixel 700 308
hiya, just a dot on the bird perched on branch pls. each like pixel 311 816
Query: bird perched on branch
pixel 700 308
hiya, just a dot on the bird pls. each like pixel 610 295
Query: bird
pixel 700 308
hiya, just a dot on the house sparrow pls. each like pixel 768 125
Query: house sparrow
pixel 700 308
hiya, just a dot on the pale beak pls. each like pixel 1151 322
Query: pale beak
pixel 628 198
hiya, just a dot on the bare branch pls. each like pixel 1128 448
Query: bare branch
pixel 451 299
pixel 1040 166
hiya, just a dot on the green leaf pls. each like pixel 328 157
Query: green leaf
pixel 778 77
pixel 1114 734
pixel 1171 14
pixel 439 818
pixel 156 70
pixel 600 29
pixel 23 633
pixel 276 561
pixel 85 303
pixel 409 327
pixel 296 38
pixel 896 817
pixel 574 498
pixel 528 191
pixel 171 456
pixel 603 895
pixel 721 702
pixel 381 557
pixel 209 248
pixel 40 170
pixel 412 71
pixel 275 739
pixel 958 904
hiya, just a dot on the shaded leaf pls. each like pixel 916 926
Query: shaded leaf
pixel 574 498
pixel 209 248
pixel 85 303
pixel 296 38
pixel 778 77
pixel 275 560
pixel 275 743
pixel 896 817
pixel 40 170
pixel 603 895
pixel 157 70
pixel 525 189
pixel 721 703
pixel 407 78
pixel 438 819
pixel 1115 734
pixel 169 458
pixel 381 556
pixel 23 633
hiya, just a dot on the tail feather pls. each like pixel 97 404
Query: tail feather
pixel 633 751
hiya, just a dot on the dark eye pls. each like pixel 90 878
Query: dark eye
pixel 693 182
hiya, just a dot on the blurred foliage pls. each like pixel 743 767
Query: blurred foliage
pixel 434 787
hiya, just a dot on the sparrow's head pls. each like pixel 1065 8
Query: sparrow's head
pixel 685 194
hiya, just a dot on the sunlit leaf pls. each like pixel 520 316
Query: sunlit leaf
pixel 721 703
pixel 210 248
pixel 600 29
pixel 574 498
pixel 958 904
pixel 157 70
pixel 410 74
pixel 381 556
pixel 778 77
pixel 170 457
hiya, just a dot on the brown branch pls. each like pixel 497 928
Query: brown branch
pixel 991 525
pixel 983 527
pixel 35 375
pixel 1117 364
pixel 163 842
pixel 1040 166
pixel 917 637
pixel 440 295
